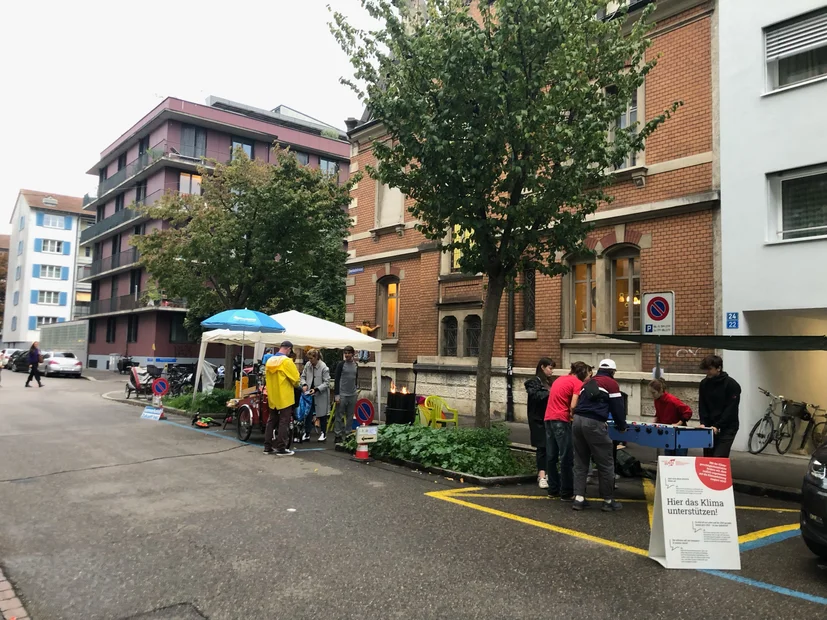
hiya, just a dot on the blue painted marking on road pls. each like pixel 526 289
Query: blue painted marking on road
pixel 205 432
pixel 222 436
pixel 768 586
pixel 769 540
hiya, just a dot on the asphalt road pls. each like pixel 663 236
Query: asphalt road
pixel 106 516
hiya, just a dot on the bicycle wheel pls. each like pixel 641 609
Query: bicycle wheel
pixel 761 435
pixel 819 434
pixel 244 422
pixel 786 432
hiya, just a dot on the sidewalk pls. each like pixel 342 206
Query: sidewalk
pixel 765 474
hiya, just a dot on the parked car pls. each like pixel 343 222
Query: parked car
pixel 5 356
pixel 60 363
pixel 19 361
pixel 814 503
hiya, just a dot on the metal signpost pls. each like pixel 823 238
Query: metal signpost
pixel 659 319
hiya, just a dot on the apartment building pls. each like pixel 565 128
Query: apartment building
pixel 41 286
pixel 163 153
pixel 659 234
pixel 773 68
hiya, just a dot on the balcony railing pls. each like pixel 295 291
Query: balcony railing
pixel 119 218
pixel 173 151
pixel 80 311
pixel 141 301
pixel 116 261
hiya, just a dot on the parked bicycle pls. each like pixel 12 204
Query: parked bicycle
pixel 765 430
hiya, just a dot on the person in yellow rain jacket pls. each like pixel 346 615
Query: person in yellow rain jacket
pixel 282 378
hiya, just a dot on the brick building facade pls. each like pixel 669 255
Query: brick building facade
pixel 660 233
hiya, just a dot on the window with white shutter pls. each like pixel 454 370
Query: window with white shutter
pixel 796 50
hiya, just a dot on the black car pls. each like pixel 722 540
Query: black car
pixel 814 503
pixel 19 362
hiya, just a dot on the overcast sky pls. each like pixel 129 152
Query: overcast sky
pixel 75 75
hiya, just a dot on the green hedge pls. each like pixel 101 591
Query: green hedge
pixel 476 451
pixel 214 402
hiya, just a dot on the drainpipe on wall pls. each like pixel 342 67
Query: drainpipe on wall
pixel 509 370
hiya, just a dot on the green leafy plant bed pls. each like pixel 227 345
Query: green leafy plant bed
pixel 214 402
pixel 479 452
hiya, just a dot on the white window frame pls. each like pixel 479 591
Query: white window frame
pixel 54 221
pixel 47 245
pixel 776 231
pixel 48 298
pixel 50 272
pixel 811 38
pixel 45 320
pixel 625 254
pixel 592 308
pixel 639 157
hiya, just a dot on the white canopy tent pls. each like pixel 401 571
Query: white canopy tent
pixel 303 330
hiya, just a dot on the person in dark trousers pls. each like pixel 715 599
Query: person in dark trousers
pixel 599 398
pixel 557 419
pixel 315 382
pixel 345 381
pixel 282 378
pixel 718 399
pixel 34 361
pixel 537 389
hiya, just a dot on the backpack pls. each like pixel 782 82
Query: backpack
pixel 305 407
pixel 628 466
pixel 591 391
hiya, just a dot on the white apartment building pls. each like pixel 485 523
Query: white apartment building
pixel 44 265
pixel 773 139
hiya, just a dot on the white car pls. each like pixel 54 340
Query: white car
pixel 5 355
pixel 60 363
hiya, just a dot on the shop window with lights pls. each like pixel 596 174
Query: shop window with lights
pixel 626 292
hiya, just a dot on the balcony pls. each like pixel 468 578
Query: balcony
pixel 164 150
pixel 116 261
pixel 78 312
pixel 134 303
pixel 122 219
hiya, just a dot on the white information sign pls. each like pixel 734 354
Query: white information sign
pixel 694 524
pixel 367 434
pixel 153 413
pixel 658 314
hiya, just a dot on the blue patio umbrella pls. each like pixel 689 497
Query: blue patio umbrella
pixel 243 321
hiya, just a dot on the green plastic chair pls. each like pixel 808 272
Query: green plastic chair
pixel 440 412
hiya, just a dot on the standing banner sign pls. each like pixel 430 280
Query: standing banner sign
pixel 694 522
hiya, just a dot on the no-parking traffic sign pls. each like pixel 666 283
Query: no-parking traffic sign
pixel 659 313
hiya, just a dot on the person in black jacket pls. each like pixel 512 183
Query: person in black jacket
pixel 537 388
pixel 718 399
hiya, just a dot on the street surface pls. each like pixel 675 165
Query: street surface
pixel 107 516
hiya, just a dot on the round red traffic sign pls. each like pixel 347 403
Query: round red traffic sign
pixel 657 308
pixel 160 386
pixel 364 411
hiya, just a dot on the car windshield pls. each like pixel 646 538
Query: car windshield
pixel 69 355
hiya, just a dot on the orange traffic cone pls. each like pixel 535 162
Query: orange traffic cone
pixel 362 454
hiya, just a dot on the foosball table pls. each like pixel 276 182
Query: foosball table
pixel 663 436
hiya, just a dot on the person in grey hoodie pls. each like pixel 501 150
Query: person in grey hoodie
pixel 315 381
pixel 345 391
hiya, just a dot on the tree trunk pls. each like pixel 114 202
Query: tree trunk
pixel 228 367
pixel 490 313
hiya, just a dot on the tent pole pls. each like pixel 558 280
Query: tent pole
pixel 200 368
pixel 379 386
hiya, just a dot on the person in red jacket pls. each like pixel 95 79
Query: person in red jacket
pixel 669 409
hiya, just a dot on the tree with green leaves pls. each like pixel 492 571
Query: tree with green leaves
pixel 501 125
pixel 261 236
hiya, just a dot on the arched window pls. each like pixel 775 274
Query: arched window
pixel 626 290
pixel 585 297
pixel 473 329
pixel 388 306
pixel 450 330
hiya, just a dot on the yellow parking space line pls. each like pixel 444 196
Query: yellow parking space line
pixel 453 497
pixel 767 532
pixel 517 496
pixel 765 509
pixel 649 492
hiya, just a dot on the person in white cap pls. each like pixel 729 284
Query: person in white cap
pixel 599 399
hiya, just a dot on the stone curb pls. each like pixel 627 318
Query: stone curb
pixel 11 608
pixel 485 481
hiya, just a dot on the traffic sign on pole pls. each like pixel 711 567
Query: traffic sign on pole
pixel 364 412
pixel 160 386
pixel 659 313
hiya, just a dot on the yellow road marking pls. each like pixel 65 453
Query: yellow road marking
pixel 452 496
pixel 518 496
pixel 765 509
pixel 649 492
pixel 767 532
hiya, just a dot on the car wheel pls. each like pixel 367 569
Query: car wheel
pixel 817 548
